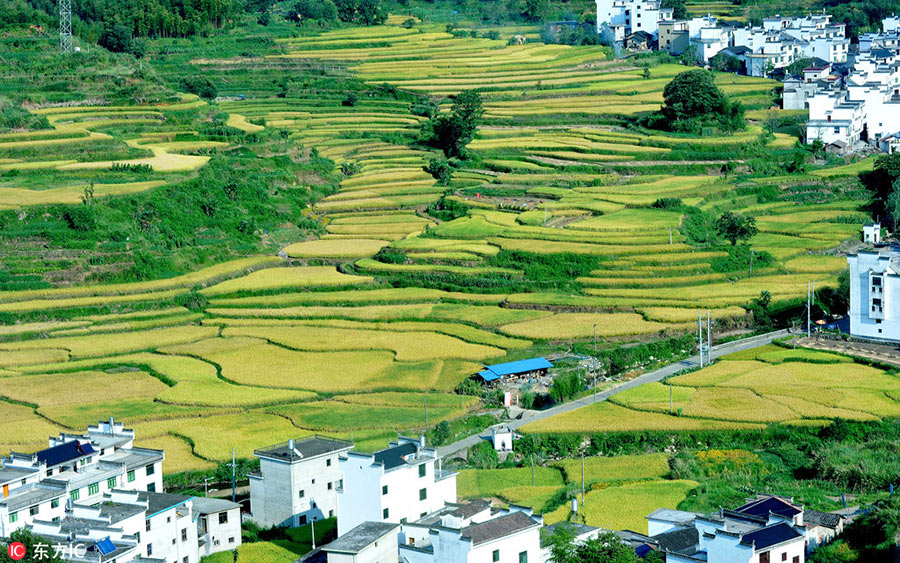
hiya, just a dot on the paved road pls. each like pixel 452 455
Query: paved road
pixel 658 375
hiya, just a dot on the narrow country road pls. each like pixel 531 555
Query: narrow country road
pixel 657 375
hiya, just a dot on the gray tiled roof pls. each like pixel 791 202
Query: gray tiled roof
pixel 361 537
pixel 498 527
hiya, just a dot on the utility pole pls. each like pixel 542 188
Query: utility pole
pixel 595 339
pixel 206 486
pixel 700 325
pixel 65 26
pixel 233 471
pixel 671 402
pixel 808 311
pixel 708 337
pixel 670 236
pixel 426 410
pixel 532 470
pixel 582 477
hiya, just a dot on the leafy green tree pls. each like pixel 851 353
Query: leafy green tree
pixel 199 85
pixel 882 181
pixel 116 38
pixel 725 63
pixel 892 204
pixel 483 455
pixel 33 553
pixel 452 132
pixel 562 544
pixel 734 227
pixel 692 94
pixel 361 12
pixel 441 433
pixel 536 10
pixel 318 10
pixel 441 170
pixel 606 548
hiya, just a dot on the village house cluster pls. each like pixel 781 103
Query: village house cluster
pixel 776 44
pixel 102 498
pixel 98 493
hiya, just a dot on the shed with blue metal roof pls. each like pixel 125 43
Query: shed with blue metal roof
pixel 512 369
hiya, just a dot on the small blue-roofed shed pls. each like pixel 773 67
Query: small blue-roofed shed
pixel 498 371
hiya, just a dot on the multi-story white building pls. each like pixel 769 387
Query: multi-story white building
pixel 218 525
pixel 76 468
pixel 624 17
pixel 764 529
pixel 404 482
pixel 298 481
pixel 370 542
pixel 473 532
pixel 874 278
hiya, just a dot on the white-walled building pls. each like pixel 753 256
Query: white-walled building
pixel 872 233
pixel 76 468
pixel 766 528
pixel 502 438
pixel 874 287
pixel 218 525
pixel 624 17
pixel 370 542
pixel 473 532
pixel 404 482
pixel 298 481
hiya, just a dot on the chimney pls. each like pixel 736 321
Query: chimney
pixel 291 444
pixel 422 441
pixel 112 426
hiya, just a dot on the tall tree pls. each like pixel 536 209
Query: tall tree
pixel 452 132
pixel 734 227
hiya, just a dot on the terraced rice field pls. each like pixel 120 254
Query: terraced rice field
pixel 761 386
pixel 273 348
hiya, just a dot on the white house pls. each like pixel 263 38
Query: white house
pixel 874 309
pixel 765 529
pixel 370 542
pixel 298 481
pixel 404 482
pixel 76 468
pixel 872 233
pixel 473 532
pixel 624 17
pixel 835 120
pixel 502 438
pixel 218 525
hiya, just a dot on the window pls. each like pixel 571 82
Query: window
pixel 837 129
pixel 151 469
pixel 93 488
pixel 131 476
pixel 523 557
pixel 423 515
pixel 111 483
pixel 13 517
pixel 184 534
pixel 423 494
pixel 328 462
pixel 303 520
pixel 54 503
pixel 75 495
pixel 422 470
pixel 331 513
pixel 796 559
pixel 301 494
pixel 147 525
pixel 184 559
pixel 149 549
pixel 151 487
pixel 173 541
pixel 168 519
pixel 223 518
pixel 764 557
pixel 384 513
pixel 384 489
pixel 313 481
pixel 784 556
pixel 231 539
pixel 33 510
pixel 329 485
pixel 495 556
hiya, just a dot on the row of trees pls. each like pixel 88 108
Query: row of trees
pixel 360 12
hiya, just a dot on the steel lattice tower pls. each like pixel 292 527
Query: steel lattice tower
pixel 65 26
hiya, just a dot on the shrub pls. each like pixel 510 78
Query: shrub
pixel 483 455
pixel 441 170
pixel 199 85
